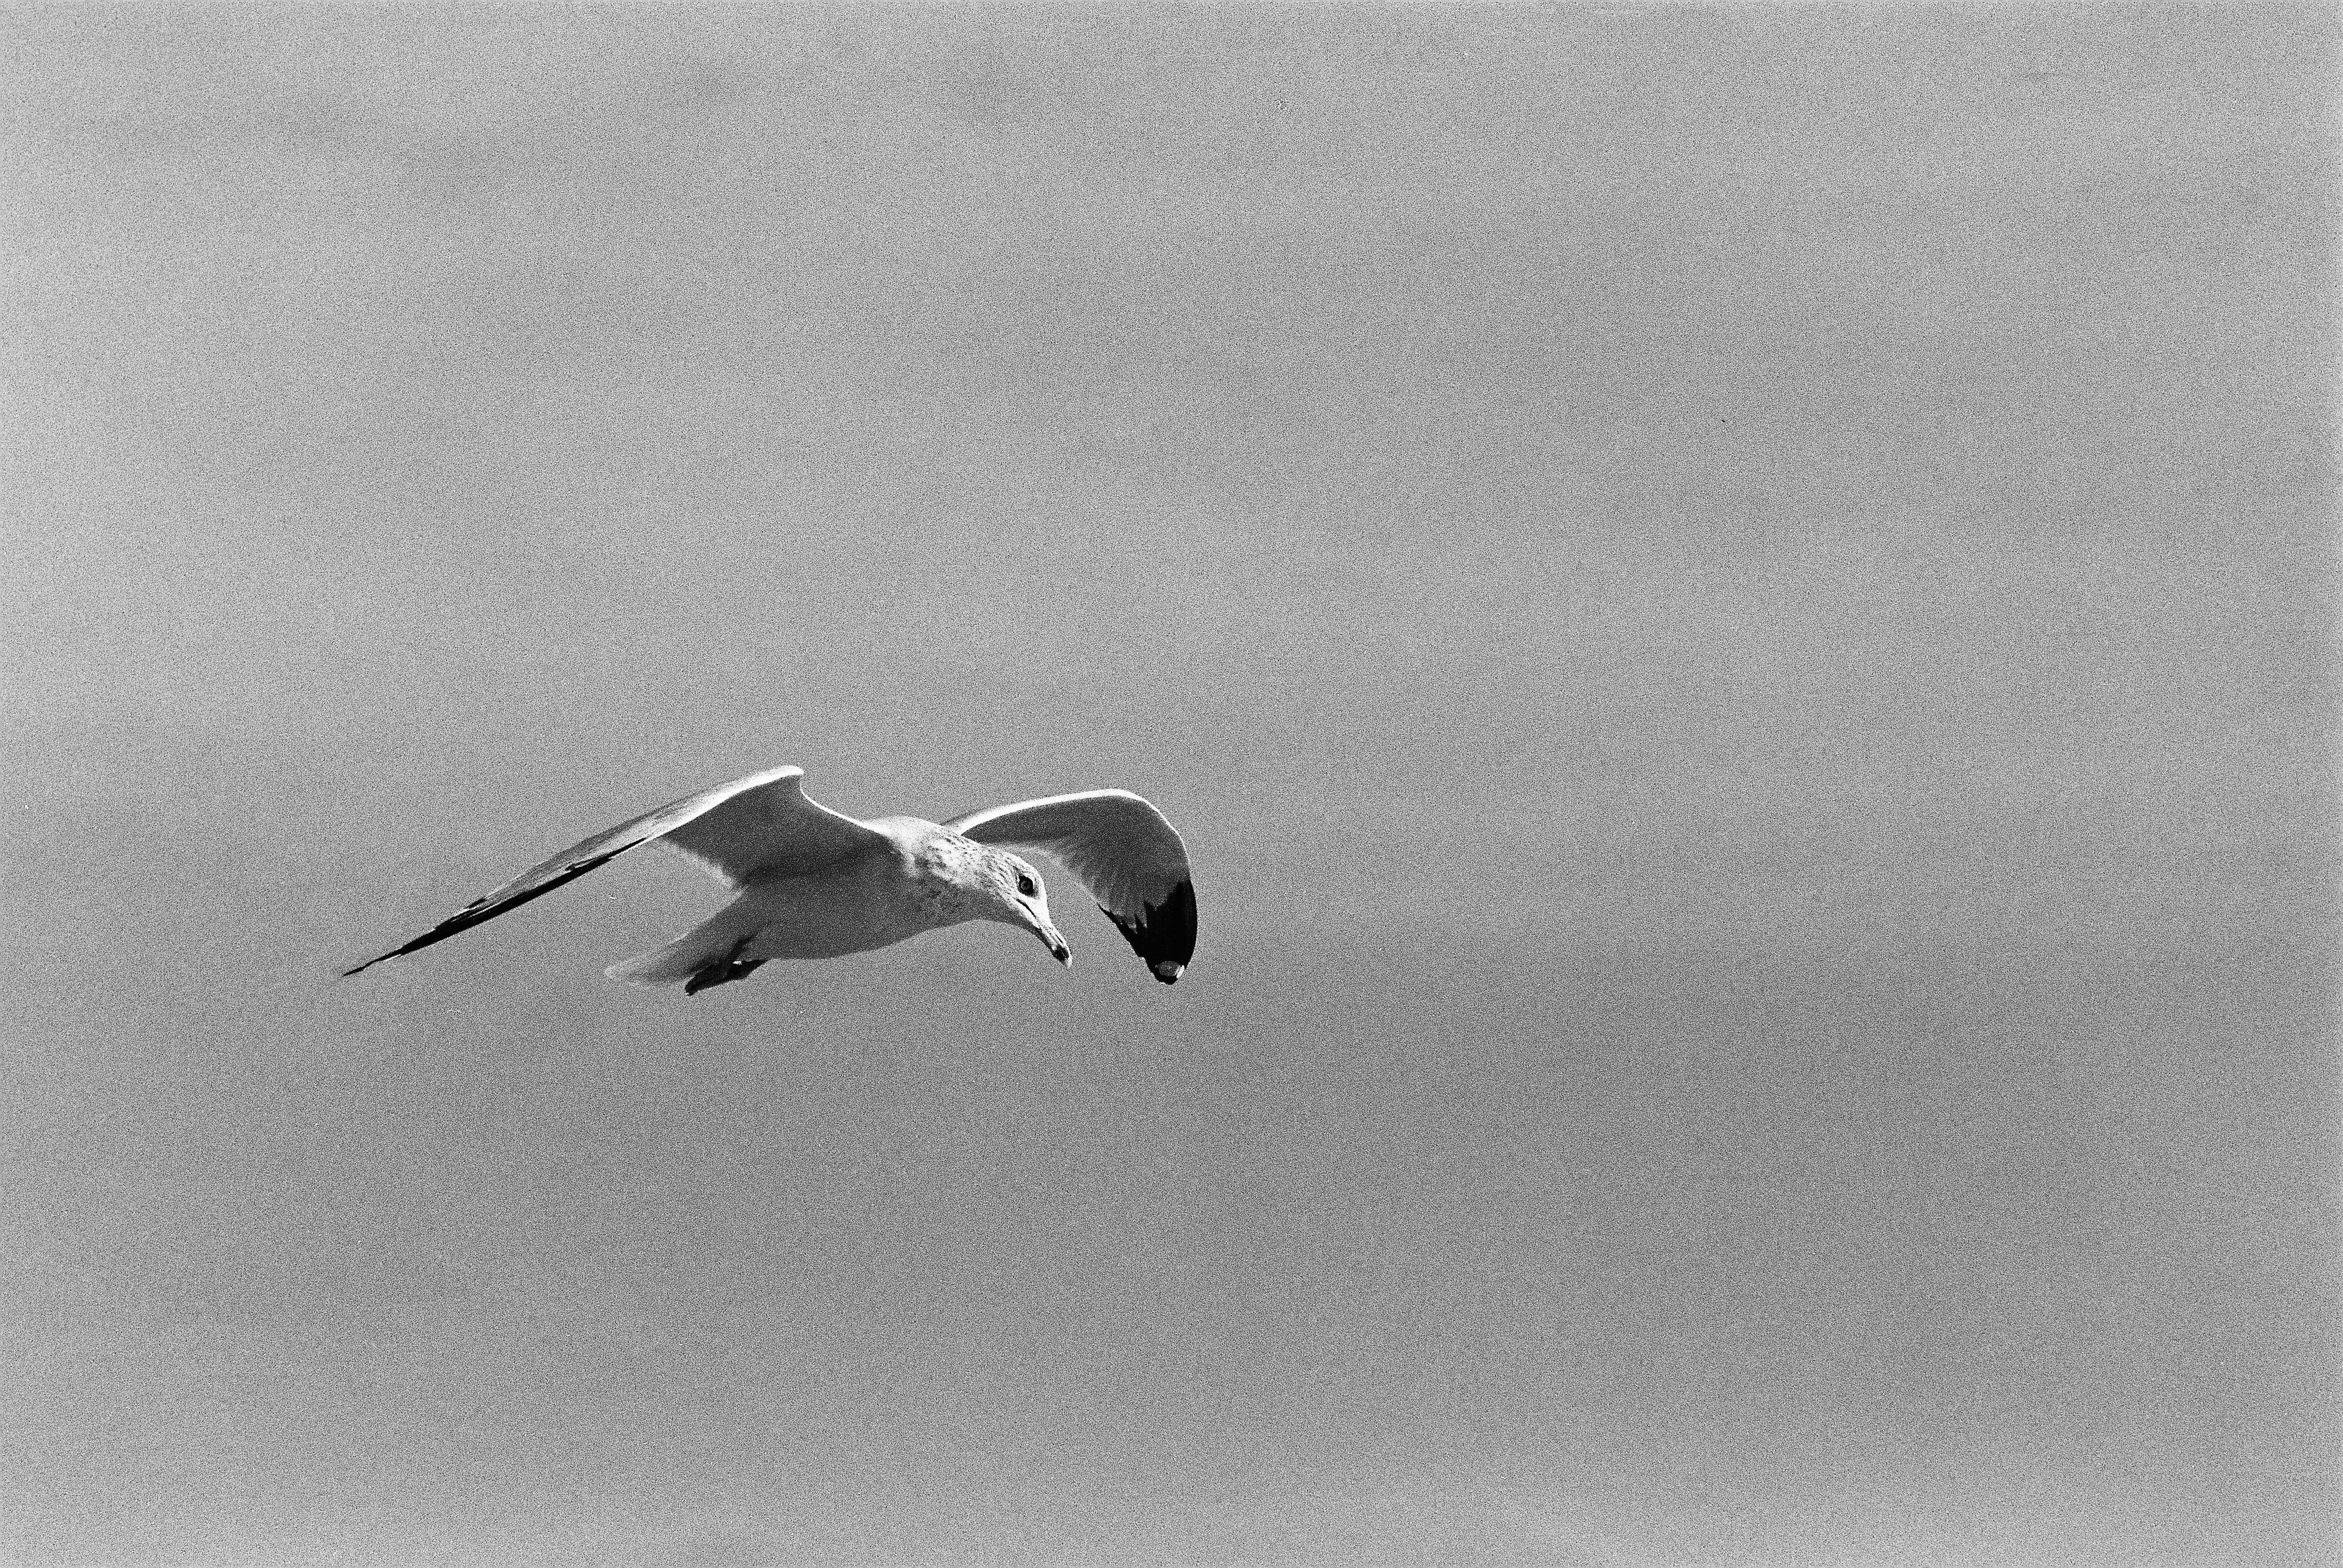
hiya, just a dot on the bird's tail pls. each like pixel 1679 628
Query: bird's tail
pixel 710 945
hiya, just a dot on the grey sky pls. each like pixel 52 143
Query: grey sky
pixel 1736 606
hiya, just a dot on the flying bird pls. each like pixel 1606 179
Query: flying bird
pixel 812 883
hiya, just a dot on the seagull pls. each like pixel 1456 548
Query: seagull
pixel 812 883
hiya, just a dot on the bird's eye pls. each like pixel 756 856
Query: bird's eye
pixel 1025 886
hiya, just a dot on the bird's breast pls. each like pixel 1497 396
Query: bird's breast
pixel 869 903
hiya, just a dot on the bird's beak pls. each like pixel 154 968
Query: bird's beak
pixel 1056 943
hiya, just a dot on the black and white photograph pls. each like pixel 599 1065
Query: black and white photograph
pixel 1143 785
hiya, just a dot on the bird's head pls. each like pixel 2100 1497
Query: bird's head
pixel 995 885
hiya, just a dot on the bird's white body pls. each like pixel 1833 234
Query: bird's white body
pixel 868 900
pixel 814 884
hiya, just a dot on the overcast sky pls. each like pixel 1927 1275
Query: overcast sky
pixel 1736 606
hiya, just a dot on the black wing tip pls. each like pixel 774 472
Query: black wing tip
pixel 425 940
pixel 1164 934
pixel 397 952
pixel 481 910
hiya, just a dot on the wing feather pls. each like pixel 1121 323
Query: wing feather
pixel 754 827
pixel 1123 850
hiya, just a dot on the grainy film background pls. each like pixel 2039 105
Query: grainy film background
pixel 1737 607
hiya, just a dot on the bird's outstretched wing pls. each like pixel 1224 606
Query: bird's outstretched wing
pixel 1122 850
pixel 753 828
